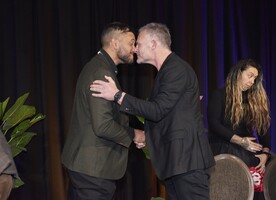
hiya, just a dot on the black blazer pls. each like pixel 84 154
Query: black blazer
pixel 174 129
pixel 99 136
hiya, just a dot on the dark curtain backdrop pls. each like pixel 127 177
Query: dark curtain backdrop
pixel 45 43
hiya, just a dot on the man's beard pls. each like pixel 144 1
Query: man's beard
pixel 125 58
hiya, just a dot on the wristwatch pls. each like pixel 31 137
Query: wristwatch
pixel 117 96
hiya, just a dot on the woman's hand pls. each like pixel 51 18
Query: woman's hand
pixel 263 159
pixel 249 144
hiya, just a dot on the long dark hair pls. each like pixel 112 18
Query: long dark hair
pixel 254 109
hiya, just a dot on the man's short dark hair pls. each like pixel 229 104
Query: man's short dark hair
pixel 114 26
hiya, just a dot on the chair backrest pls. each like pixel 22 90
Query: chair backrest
pixel 269 181
pixel 230 179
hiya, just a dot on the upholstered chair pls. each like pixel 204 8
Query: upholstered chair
pixel 269 181
pixel 230 179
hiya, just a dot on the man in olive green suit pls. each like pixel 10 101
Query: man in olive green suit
pixel 96 150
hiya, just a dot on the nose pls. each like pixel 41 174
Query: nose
pixel 252 81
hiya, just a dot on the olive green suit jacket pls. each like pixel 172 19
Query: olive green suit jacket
pixel 99 136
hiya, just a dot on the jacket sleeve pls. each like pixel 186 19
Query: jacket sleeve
pixel 215 113
pixel 106 119
pixel 172 84
pixel 265 140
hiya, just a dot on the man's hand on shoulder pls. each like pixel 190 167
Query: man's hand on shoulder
pixel 104 89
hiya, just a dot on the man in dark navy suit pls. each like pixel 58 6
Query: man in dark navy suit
pixel 175 136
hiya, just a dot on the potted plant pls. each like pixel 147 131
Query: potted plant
pixel 15 123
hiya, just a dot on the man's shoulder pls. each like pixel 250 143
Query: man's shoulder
pixel 175 61
pixel 95 60
pixel 95 64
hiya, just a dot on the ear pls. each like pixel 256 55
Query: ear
pixel 153 44
pixel 115 43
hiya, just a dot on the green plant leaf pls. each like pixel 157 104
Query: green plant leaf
pixel 18 182
pixel 24 125
pixel 19 102
pixel 18 119
pixel 19 142
pixel 20 128
pixel 141 119
pixel 37 118
pixel 15 150
pixel 3 106
pixel 146 152
pixel 23 112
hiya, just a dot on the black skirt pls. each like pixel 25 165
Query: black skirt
pixel 226 147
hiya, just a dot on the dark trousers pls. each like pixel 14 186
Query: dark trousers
pixel 189 186
pixel 84 187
